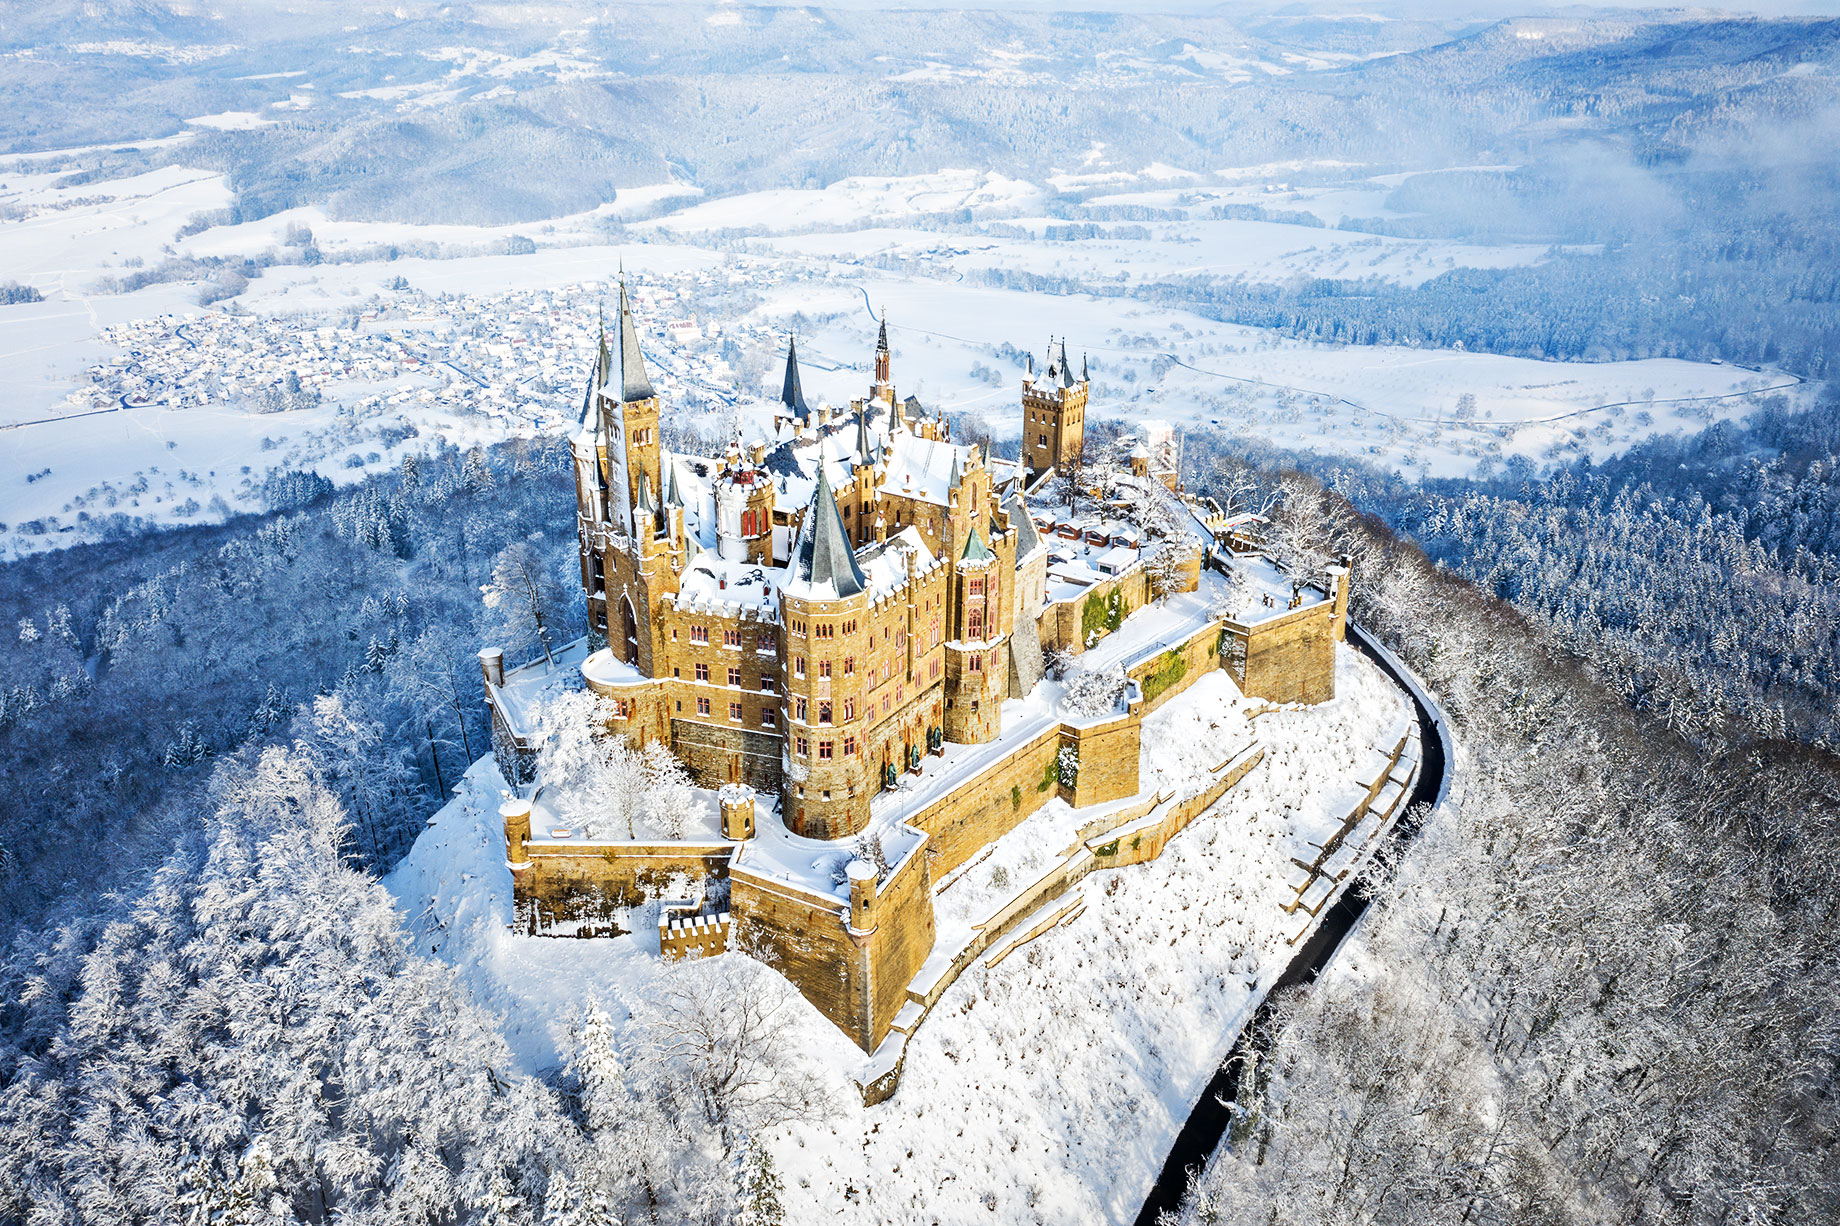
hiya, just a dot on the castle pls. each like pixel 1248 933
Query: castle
pixel 826 628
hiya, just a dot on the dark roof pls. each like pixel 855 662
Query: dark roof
pixel 1027 538
pixel 865 444
pixel 597 375
pixel 881 342
pixel 634 383
pixel 790 393
pixel 1058 371
pixel 823 554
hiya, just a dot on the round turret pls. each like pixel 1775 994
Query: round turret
pixel 515 813
pixel 737 801
pixel 861 875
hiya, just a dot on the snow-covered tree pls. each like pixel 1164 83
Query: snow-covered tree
pixel 526 602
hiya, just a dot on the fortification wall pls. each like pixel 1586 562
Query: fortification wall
pixel 1286 659
pixel 581 889
pixel 856 979
pixel 1066 623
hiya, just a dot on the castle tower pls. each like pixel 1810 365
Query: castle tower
pixel 791 393
pixel 744 510
pixel 883 387
pixel 824 646
pixel 977 656
pixel 627 548
pixel 1054 415
pixel 630 407
pixel 593 503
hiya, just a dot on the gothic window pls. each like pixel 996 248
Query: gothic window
pixel 849 746
pixel 802 709
pixel 849 709
pixel 798 666
pixel 824 713
pixel 731 638
pixel 975 663
pixel 975 623
pixel 849 666
pixel 699 634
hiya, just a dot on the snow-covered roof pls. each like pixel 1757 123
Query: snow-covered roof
pixel 891 563
pixel 823 566
pixel 923 469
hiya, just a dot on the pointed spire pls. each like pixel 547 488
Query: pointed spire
pixel 1029 375
pixel 822 557
pixel 975 549
pixel 865 446
pixel 672 496
pixel 1027 538
pixel 635 384
pixel 1083 376
pixel 881 341
pixel 790 393
pixel 597 378
pixel 952 482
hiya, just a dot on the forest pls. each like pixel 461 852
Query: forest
pixel 1600 986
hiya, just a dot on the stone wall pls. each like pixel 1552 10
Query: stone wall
pixel 1286 659
pixel 857 979
pixel 582 889
pixel 991 804
pixel 691 935
pixel 716 754
pixel 1062 623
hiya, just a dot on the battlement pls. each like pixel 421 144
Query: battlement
pixel 684 934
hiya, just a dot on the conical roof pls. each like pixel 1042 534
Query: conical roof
pixel 635 384
pixel 881 341
pixel 865 444
pixel 975 549
pixel 1028 540
pixel 1058 371
pixel 597 376
pixel 822 560
pixel 790 393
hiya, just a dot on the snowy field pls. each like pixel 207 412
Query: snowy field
pixel 1049 1087
pixel 122 396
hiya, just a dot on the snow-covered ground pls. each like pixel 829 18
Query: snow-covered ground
pixel 1046 1088
pixel 106 391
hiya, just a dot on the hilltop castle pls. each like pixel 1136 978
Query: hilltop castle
pixel 828 626
pixel 810 619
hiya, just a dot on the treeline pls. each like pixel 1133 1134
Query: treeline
pixel 1700 576
pixel 1599 989
pixel 130 666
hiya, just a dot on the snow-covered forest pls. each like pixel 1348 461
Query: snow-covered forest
pixel 1600 988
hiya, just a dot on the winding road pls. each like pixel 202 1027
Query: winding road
pixel 1207 1123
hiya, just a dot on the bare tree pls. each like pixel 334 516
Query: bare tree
pixel 525 600
pixel 714 1034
